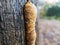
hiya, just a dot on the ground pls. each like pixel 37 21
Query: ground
pixel 49 32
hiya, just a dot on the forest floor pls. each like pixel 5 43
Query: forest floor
pixel 49 32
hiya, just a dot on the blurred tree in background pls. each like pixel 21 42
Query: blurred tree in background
pixel 54 12
pixel 50 11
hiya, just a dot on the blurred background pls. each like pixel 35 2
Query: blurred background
pixel 49 9
pixel 48 22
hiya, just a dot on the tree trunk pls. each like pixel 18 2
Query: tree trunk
pixel 12 31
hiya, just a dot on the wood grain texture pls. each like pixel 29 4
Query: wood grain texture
pixel 12 24
pixel 12 29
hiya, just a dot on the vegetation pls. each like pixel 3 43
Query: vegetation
pixel 52 12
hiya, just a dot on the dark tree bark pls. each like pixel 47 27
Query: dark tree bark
pixel 12 31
